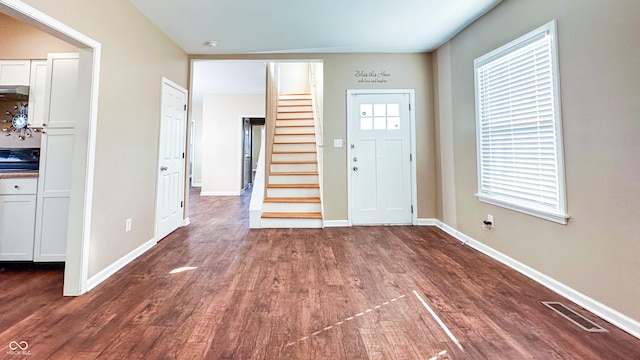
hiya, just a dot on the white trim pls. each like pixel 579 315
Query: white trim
pixel 81 199
pixel 336 223
pixel 220 193
pixel 613 316
pixel 186 221
pixel 557 218
pixel 412 139
pixel 104 274
pixel 195 184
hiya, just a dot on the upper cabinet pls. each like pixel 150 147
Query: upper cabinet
pixel 15 72
pixel 61 89
pixel 37 89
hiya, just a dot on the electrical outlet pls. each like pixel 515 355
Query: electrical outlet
pixel 490 219
pixel 337 143
pixel 127 225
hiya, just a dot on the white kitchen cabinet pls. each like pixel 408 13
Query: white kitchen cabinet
pixel 61 90
pixel 15 72
pixel 17 219
pixel 37 88
pixel 54 190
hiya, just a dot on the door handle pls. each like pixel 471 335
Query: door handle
pixel 163 168
pixel 355 168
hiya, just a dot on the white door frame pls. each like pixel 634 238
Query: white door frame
pixel 81 199
pixel 412 136
pixel 185 176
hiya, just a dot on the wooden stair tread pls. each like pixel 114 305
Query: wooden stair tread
pixel 304 133
pixel 293 162
pixel 293 200
pixel 293 186
pixel 294 173
pixel 295 142
pixel 293 126
pixel 283 215
pixel 292 152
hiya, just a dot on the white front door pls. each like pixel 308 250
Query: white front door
pixel 171 164
pixel 380 158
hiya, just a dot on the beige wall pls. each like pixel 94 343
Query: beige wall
pixel 135 56
pixel 597 253
pixel 222 132
pixel 196 117
pixel 21 41
pixel 408 71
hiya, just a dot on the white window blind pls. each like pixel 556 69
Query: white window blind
pixel 518 125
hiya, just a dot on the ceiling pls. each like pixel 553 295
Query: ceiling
pixel 228 77
pixel 306 26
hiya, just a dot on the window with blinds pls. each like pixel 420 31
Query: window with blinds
pixel 520 157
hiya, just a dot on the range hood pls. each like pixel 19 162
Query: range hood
pixel 14 92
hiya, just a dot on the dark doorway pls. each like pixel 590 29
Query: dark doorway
pixel 251 142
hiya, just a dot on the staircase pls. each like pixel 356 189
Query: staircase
pixel 293 190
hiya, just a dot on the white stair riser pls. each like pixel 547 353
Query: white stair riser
pixel 295 130
pixel 294 167
pixel 294 102
pixel 293 192
pixel 291 223
pixel 293 179
pixel 305 122
pixel 295 115
pixel 293 147
pixel 289 109
pixel 294 157
pixel 291 207
pixel 294 138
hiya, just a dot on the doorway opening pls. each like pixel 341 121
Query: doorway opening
pixel 251 142
pixel 83 154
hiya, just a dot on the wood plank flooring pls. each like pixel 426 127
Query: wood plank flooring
pixel 342 293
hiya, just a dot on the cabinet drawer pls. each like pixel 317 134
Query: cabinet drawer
pixel 18 186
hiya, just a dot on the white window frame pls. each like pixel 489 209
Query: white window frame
pixel 559 214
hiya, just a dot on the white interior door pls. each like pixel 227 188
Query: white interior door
pixel 171 164
pixel 380 158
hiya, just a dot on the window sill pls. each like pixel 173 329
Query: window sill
pixel 554 217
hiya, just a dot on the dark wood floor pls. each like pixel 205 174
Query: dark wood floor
pixel 343 293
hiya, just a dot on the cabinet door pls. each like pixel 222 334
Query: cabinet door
pixel 14 72
pixel 17 227
pixel 61 90
pixel 37 87
pixel 54 189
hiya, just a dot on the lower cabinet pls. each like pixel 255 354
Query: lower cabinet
pixel 17 219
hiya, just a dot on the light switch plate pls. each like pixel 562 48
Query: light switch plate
pixel 337 143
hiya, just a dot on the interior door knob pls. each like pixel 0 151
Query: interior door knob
pixel 355 168
pixel 163 168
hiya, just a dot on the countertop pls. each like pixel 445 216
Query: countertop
pixel 19 174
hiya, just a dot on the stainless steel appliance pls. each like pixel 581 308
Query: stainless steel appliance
pixel 19 160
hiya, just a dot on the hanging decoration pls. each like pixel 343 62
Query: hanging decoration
pixel 19 123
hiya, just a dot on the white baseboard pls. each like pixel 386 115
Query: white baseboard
pixel 103 275
pixel 219 193
pixel 186 222
pixel 426 222
pixel 611 315
pixel 195 184
pixel 336 223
